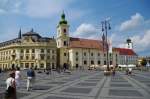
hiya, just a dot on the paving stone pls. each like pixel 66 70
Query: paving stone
pixel 93 80
pixel 148 85
pixel 67 79
pixel 116 92
pixel 56 82
pixel 120 85
pixel 19 95
pixel 78 90
pixel 57 97
pixel 3 85
pixel 86 84
pixel 41 87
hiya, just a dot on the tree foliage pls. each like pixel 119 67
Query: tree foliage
pixel 143 62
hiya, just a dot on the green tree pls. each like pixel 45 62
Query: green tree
pixel 143 62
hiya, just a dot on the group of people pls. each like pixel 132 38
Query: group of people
pixel 13 82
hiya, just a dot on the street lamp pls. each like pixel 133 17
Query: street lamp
pixel 105 28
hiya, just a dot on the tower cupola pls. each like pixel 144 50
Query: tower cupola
pixel 63 20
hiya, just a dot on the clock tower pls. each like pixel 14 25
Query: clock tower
pixel 63 42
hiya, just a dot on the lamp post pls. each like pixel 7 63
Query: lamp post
pixel 105 28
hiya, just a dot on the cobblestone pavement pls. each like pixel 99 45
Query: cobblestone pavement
pixel 84 85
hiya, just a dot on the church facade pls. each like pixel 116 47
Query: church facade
pixel 32 50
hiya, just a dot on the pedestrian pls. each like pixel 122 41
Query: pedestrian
pixel 17 77
pixel 11 87
pixel 0 70
pixel 113 72
pixel 30 78
pixel 130 71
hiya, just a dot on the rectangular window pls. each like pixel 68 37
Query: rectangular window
pixel 104 62
pixel 27 57
pixel 48 50
pixel 26 65
pixel 21 65
pixel 76 53
pixel 21 57
pixel 53 51
pixel 85 62
pixel 91 54
pixel 48 57
pixel 32 64
pixel 64 54
pixel 84 54
pixel 76 59
pixel 53 57
pixel 42 57
pixel 42 50
pixel 33 51
pixel 33 57
pixel 27 50
pixel 21 51
pixel 42 65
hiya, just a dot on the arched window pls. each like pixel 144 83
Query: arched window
pixel 64 30
pixel 92 62
pixel 99 62
pixel 65 43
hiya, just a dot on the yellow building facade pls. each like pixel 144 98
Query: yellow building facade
pixel 28 50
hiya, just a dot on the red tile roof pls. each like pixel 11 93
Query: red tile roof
pixel 85 43
pixel 125 51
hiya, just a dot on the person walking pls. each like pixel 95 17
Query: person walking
pixel 17 77
pixel 30 78
pixel 11 87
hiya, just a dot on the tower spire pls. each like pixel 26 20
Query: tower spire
pixel 19 34
pixel 32 30
pixel 63 20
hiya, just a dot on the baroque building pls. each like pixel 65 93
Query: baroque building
pixel 29 49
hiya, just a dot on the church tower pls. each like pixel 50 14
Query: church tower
pixel 62 33
pixel 129 44
pixel 63 42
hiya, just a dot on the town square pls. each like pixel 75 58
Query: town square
pixel 74 49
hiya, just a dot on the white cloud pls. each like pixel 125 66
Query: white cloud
pixel 10 6
pixel 86 30
pixel 142 43
pixel 135 21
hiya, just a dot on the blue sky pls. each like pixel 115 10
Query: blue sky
pixel 128 18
